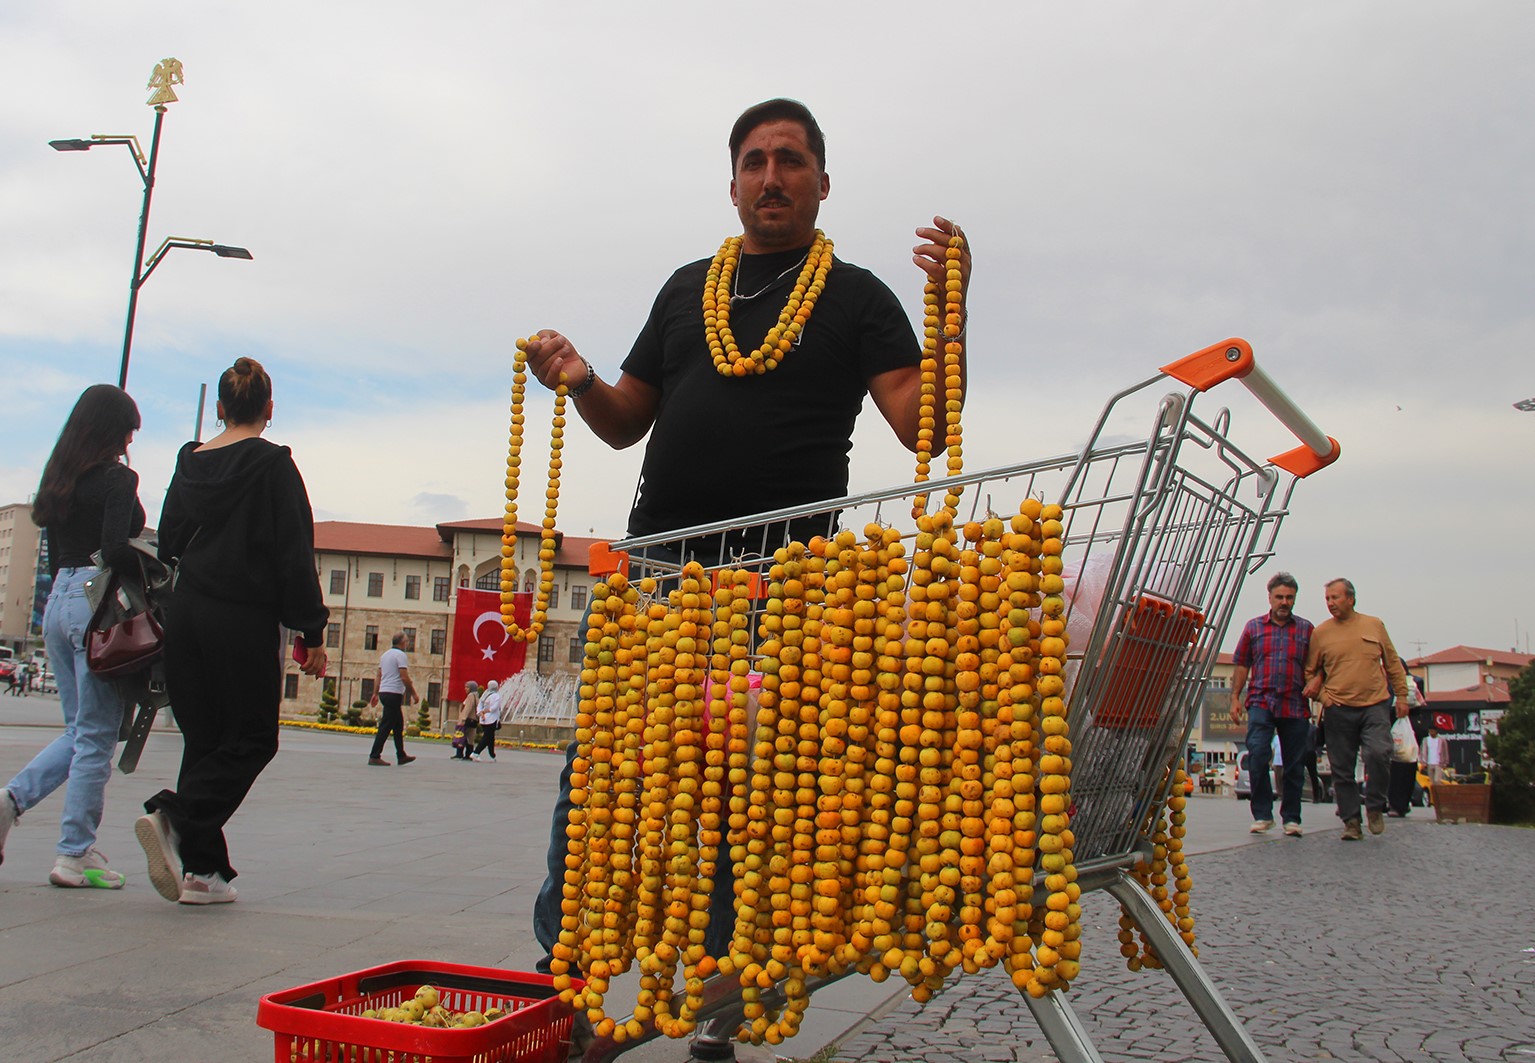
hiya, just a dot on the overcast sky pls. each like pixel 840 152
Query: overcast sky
pixel 1345 185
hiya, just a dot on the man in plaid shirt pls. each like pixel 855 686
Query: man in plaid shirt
pixel 1270 662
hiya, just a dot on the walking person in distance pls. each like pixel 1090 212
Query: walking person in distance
pixel 392 687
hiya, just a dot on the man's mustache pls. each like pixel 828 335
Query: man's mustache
pixel 772 201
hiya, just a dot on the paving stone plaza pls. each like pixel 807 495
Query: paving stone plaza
pixel 1413 946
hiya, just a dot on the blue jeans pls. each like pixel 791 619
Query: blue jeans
pixel 1293 734
pixel 93 715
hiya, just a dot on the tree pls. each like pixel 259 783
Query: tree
pixel 329 706
pixel 424 717
pixel 1512 750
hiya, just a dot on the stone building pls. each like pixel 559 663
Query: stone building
pixel 19 540
pixel 379 579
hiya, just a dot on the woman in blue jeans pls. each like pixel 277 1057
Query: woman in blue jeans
pixel 87 501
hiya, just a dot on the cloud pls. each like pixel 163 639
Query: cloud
pixel 1343 186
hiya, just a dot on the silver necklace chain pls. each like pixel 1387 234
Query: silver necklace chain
pixel 735 279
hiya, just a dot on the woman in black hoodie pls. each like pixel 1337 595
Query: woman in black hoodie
pixel 238 526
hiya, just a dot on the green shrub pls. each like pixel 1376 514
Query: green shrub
pixel 1512 749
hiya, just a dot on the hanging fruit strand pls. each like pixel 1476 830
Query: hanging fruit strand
pixel 546 545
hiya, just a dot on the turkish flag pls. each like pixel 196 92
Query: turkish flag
pixel 1444 721
pixel 482 650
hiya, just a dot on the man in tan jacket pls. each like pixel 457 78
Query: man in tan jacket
pixel 1348 666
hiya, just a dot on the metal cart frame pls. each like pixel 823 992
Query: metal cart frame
pixel 1166 525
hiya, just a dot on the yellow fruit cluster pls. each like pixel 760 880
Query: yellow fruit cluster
pixel 782 337
pixel 943 319
pixel 546 545
pixel 907 773
pixel 1166 855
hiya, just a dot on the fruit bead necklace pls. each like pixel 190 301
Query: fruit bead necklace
pixel 783 336
pixel 551 504
pixel 950 325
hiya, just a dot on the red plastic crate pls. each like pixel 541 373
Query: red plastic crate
pixel 322 1022
pixel 1156 636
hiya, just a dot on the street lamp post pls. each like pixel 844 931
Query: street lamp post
pixel 167 73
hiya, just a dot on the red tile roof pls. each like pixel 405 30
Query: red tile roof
pixel 1469 654
pixel 434 543
pixel 1493 693
pixel 387 540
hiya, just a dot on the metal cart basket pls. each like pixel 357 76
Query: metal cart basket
pixel 1161 529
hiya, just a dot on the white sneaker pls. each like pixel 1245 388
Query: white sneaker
pixel 474 756
pixel 87 871
pixel 206 889
pixel 1261 826
pixel 1293 829
pixel 8 817
pixel 161 850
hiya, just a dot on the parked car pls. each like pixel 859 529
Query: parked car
pixel 7 669
pixel 1243 790
pixel 46 683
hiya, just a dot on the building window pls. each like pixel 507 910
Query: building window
pixel 370 637
pixel 554 597
pixel 434 693
pixel 332 636
pixel 546 648
pixel 578 598
pixel 439 641
pixel 577 651
pixel 338 581
pixel 491 581
pixel 413 587
pixel 410 639
pixel 290 686
pixel 441 586
pixel 367 690
pixel 375 584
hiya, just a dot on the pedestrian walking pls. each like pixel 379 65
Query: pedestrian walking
pixel 1355 671
pixel 238 527
pixel 1270 662
pixel 390 690
pixel 489 721
pixel 86 502
pixel 468 720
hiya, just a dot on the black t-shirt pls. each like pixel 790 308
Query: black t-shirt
pixel 104 514
pixel 726 447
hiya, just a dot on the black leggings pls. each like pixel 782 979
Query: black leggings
pixel 488 739
pixel 223 671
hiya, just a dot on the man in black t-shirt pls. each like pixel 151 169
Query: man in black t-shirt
pixel 727 446
pixel 724 446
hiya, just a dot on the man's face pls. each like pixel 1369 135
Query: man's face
pixel 778 187
pixel 1281 603
pixel 1339 602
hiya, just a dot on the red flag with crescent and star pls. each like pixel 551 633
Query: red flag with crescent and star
pixel 482 650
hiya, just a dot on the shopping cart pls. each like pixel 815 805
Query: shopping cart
pixel 1161 528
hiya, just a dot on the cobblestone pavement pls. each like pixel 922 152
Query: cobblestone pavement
pixel 1416 946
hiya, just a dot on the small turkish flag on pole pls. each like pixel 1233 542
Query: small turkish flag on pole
pixel 482 650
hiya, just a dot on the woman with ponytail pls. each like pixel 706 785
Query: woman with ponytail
pixel 238 526
pixel 87 502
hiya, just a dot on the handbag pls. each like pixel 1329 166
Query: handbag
pixel 130 644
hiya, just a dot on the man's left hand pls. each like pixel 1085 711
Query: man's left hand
pixel 932 256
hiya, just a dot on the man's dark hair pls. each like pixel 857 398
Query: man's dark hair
pixel 1283 579
pixel 779 110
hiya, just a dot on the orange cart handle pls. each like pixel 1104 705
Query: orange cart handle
pixel 1233 358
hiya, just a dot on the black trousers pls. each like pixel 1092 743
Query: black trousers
pixel 391 720
pixel 1404 776
pixel 488 739
pixel 223 671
